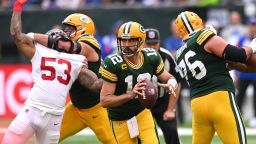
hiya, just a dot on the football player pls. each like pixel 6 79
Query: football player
pixel 123 74
pixel 85 109
pixel 203 58
pixel 53 73
pixel 168 125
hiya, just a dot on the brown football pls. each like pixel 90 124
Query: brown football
pixel 150 97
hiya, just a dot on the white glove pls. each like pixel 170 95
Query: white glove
pixel 210 27
pixel 253 45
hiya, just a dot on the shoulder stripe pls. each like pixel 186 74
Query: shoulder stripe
pixel 203 36
pixel 200 36
pixel 90 41
pixel 108 75
pixel 206 38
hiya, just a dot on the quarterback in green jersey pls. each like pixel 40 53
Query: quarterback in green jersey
pixel 203 59
pixel 123 74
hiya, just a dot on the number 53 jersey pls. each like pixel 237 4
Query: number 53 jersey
pixel 117 69
pixel 205 72
pixel 53 73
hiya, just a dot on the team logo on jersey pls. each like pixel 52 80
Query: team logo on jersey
pixel 124 67
pixel 151 35
pixel 85 19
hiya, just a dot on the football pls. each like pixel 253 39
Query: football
pixel 150 97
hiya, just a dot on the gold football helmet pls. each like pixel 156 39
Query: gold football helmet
pixel 131 31
pixel 187 23
pixel 83 24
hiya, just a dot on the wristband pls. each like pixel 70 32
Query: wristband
pixel 31 35
pixel 253 45
pixel 17 7
pixel 173 82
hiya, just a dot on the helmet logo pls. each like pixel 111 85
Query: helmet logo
pixel 85 19
pixel 142 29
pixel 151 35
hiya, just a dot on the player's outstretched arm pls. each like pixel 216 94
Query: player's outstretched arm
pixel 222 49
pixel 172 87
pixel 23 42
pixel 249 67
pixel 89 79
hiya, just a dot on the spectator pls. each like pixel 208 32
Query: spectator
pixel 235 29
pixel 173 42
pixel 109 41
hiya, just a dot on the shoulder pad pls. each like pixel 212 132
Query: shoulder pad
pixel 204 36
pixel 90 40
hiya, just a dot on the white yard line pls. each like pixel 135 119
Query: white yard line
pixel 181 131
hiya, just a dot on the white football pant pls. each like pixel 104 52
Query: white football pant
pixel 30 121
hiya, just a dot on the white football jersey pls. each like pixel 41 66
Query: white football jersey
pixel 53 73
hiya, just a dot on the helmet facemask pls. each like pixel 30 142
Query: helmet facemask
pixel 80 23
pixel 130 38
pixel 129 50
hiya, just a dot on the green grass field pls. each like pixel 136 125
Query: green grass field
pixel 184 140
pixel 91 139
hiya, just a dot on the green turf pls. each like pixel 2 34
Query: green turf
pixel 184 140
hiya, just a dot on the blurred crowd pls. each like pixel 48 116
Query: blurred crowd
pixel 81 4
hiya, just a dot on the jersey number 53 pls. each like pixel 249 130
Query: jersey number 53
pixel 64 80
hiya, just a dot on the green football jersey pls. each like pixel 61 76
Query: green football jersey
pixel 204 72
pixel 116 69
pixel 80 96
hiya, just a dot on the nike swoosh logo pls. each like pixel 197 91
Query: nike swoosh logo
pixel 56 124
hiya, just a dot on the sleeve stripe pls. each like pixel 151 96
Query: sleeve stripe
pixel 91 42
pixel 204 38
pixel 201 35
pixel 108 75
pixel 160 67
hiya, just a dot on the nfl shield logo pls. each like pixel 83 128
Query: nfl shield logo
pixel 151 35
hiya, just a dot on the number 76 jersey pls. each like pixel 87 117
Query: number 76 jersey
pixel 117 69
pixel 204 72
pixel 53 73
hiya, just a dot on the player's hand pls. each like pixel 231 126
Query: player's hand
pixel 169 115
pixel 85 62
pixel 138 89
pixel 253 45
pixel 22 2
pixel 18 5
pixel 168 87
